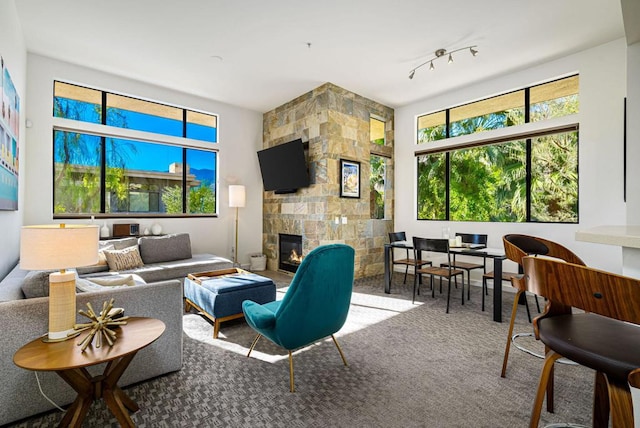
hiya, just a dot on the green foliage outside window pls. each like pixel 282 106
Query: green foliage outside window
pixel 554 178
pixel 201 199
pixel 432 186
pixel 377 185
pixel 489 182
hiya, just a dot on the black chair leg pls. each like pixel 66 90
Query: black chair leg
pixel 537 304
pixel 484 287
pixel 526 304
pixel 415 282
pixel 448 293
pixel 468 284
pixel 433 289
pixel 406 270
pixel 456 279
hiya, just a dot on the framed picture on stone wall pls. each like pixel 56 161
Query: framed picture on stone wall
pixel 349 179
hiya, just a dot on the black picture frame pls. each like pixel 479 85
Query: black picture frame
pixel 349 179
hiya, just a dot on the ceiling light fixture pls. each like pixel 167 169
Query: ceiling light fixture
pixel 440 53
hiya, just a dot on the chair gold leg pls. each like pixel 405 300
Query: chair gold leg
pixel 339 350
pixel 508 346
pixel 549 360
pixel 291 387
pixel 253 344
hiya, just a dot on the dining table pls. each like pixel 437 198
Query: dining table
pixel 496 254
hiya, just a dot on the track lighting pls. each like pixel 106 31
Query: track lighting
pixel 440 53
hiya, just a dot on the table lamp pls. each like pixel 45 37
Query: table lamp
pixel 237 200
pixel 59 247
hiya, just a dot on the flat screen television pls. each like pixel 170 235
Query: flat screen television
pixel 284 167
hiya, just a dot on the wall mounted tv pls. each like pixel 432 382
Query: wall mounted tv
pixel 284 167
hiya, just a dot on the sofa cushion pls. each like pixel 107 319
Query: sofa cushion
pixel 101 266
pixel 107 282
pixel 118 243
pixel 179 269
pixel 158 249
pixel 126 259
pixel 10 286
pixel 36 283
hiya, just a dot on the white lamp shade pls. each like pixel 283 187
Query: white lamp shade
pixel 55 246
pixel 237 197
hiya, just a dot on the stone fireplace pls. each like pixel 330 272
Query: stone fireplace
pixel 336 125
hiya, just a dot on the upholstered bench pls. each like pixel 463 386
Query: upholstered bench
pixel 219 294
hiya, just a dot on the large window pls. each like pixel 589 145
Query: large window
pixel 138 169
pixel 532 177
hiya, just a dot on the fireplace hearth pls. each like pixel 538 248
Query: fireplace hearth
pixel 290 252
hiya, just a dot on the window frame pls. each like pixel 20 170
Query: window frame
pixel 106 131
pixel 527 131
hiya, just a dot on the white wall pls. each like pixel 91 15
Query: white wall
pixel 633 134
pixel 14 53
pixel 239 135
pixel 602 91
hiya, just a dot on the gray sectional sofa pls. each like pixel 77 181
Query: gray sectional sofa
pixel 23 319
pixel 165 257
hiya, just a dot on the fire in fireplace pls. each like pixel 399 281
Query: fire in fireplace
pixel 290 252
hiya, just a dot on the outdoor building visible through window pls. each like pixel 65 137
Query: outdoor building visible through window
pixel 121 174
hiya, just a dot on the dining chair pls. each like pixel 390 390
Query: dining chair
pixel 603 335
pixel 475 239
pixel 407 261
pixel 516 247
pixel 506 277
pixel 435 246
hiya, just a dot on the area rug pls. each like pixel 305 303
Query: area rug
pixel 410 365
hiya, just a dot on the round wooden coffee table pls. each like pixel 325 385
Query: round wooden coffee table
pixel 70 364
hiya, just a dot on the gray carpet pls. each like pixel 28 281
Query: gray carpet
pixel 409 366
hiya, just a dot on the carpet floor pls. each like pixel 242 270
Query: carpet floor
pixel 410 365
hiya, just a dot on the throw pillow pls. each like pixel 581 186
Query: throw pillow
pixel 101 266
pixel 118 280
pixel 36 284
pixel 98 284
pixel 102 259
pixel 126 259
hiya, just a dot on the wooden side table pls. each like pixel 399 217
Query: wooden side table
pixel 71 365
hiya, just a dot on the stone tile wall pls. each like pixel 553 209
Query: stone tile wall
pixel 335 122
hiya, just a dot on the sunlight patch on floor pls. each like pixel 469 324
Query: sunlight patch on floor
pixel 365 310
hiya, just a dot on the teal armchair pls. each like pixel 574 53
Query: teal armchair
pixel 314 307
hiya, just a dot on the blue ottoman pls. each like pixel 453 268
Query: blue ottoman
pixel 219 294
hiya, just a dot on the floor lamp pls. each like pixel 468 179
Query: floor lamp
pixel 59 247
pixel 237 199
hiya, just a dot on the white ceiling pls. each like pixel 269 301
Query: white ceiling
pixel 367 47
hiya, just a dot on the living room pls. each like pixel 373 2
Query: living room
pixel 607 73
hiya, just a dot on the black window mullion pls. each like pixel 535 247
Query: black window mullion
pixel 184 163
pixel 528 178
pixel 527 105
pixel 103 157
pixel 527 118
pixel 447 168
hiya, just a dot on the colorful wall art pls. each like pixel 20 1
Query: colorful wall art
pixel 9 147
